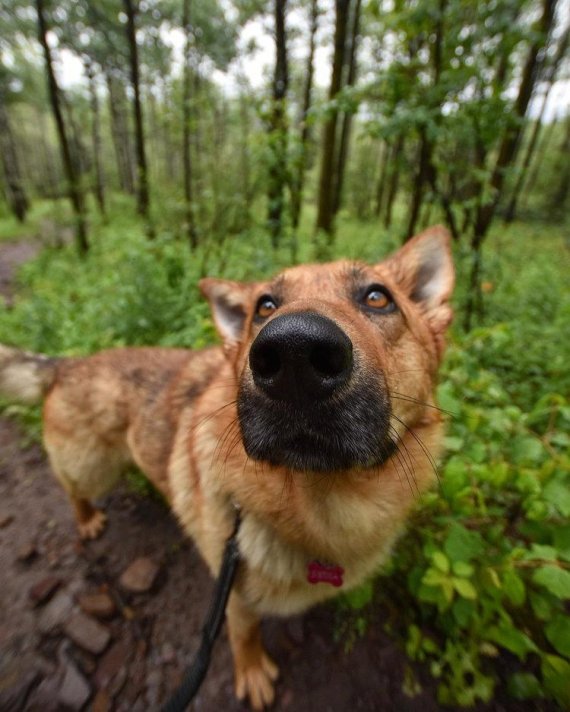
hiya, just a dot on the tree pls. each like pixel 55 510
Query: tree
pixel 298 177
pixel 143 198
pixel 325 215
pixel 73 187
pixel 278 127
pixel 17 197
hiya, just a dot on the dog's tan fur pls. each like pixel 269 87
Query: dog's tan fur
pixel 173 413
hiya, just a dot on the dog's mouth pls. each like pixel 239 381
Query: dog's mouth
pixel 306 404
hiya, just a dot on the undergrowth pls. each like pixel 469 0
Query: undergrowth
pixel 481 578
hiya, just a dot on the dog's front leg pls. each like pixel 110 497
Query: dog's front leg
pixel 255 672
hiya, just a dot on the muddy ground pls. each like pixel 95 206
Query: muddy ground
pixel 61 647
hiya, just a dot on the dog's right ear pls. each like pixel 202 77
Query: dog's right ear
pixel 229 303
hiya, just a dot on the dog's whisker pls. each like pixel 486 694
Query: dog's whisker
pixel 411 399
pixel 425 450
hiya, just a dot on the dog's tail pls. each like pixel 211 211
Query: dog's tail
pixel 25 377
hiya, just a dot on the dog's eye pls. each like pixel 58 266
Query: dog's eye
pixel 378 298
pixel 265 306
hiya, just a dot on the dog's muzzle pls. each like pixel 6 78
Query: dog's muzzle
pixel 301 358
pixel 309 402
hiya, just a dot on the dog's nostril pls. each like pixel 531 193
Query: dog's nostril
pixel 330 361
pixel 266 361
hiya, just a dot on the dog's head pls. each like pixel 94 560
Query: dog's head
pixel 335 361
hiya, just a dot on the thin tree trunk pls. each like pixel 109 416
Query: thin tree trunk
pixel 299 179
pixel 523 171
pixel 381 183
pixel 277 178
pixel 325 216
pixel 394 180
pixel 73 188
pixel 186 118
pixel 99 185
pixel 560 195
pixel 16 194
pixel 143 198
pixel 424 160
pixel 540 153
pixel 509 143
pixel 121 135
pixel 347 118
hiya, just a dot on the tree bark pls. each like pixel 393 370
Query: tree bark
pixel 16 194
pixel 325 216
pixel 73 188
pixel 560 195
pixel 523 171
pixel 186 119
pixel 509 143
pixel 381 182
pixel 143 198
pixel 277 179
pixel 347 118
pixel 121 135
pixel 394 180
pixel 96 146
pixel 299 178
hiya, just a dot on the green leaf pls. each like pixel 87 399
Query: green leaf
pixel 555 580
pixel 460 568
pixel 462 544
pixel 512 639
pixel 558 634
pixel 541 605
pixel 360 597
pixel 558 494
pixel 514 587
pixel 440 562
pixel 556 673
pixel 465 588
pixel 524 686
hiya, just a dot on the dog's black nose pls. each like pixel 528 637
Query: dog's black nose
pixel 301 357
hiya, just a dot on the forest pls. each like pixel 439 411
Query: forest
pixel 146 144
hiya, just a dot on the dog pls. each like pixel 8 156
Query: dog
pixel 315 416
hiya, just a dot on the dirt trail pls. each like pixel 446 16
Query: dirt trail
pixel 55 654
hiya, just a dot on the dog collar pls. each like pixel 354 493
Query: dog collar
pixel 319 572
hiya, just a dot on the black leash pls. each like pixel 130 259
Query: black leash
pixel 196 673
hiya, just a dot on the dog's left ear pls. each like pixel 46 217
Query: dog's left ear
pixel 229 303
pixel 423 267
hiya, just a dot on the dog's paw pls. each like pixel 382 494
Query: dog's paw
pixel 94 526
pixel 255 681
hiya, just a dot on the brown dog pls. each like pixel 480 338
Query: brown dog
pixel 315 417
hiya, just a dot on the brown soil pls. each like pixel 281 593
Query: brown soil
pixel 155 634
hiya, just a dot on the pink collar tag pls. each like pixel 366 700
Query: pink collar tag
pixel 324 573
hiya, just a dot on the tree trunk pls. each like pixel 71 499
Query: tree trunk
pixel 73 188
pixel 424 160
pixel 381 183
pixel 347 118
pixel 99 184
pixel 143 198
pixel 540 153
pixel 509 143
pixel 299 178
pixel 560 195
pixel 277 179
pixel 325 216
pixel 394 180
pixel 523 171
pixel 16 193
pixel 186 119
pixel 121 134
